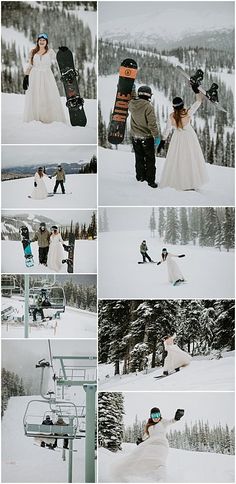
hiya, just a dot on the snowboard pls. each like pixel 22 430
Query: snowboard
pixel 59 193
pixel 148 262
pixel 70 249
pixel 127 75
pixel 165 376
pixel 69 78
pixel 47 448
pixel 178 283
pixel 48 195
pixel 25 239
pixel 210 94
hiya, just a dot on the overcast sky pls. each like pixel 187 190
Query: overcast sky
pixel 58 216
pixel 177 17
pixel 29 155
pixel 126 218
pixel 212 406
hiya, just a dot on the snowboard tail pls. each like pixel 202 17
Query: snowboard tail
pixel 70 249
pixel 74 101
pixel 127 75
pixel 165 376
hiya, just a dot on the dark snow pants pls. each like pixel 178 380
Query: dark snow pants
pixel 145 161
pixel 146 256
pixel 43 255
pixel 37 310
pixel 59 182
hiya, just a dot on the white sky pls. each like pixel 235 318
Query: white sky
pixel 59 216
pixel 15 155
pixel 166 17
pixel 127 218
pixel 211 406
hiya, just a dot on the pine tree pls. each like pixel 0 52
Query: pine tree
pixel 110 420
pixel 228 229
pixel 184 227
pixel 152 223
pixel 172 226
pixel 161 222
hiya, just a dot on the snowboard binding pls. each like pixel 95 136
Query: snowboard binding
pixel 212 93
pixel 197 77
pixel 75 102
pixel 69 75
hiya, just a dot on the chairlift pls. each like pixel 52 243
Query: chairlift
pixel 33 426
pixel 8 283
pixel 54 296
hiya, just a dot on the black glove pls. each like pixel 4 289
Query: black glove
pixel 179 413
pixel 181 255
pixel 194 85
pixel 158 263
pixel 26 83
pixel 50 177
pixel 35 184
pixel 139 440
pixel 161 146
pixel 63 48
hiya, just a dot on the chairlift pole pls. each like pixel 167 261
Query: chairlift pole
pixel 90 391
pixel 26 320
pixel 70 463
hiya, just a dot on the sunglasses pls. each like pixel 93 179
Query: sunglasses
pixel 155 415
pixel 43 36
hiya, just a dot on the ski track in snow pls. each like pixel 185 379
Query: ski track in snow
pixel 83 194
pixel 182 465
pixel 118 185
pixel 73 323
pixel 209 273
pixel 24 462
pixel 201 374
pixel 15 131
pixel 85 258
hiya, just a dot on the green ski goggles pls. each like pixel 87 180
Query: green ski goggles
pixel 155 415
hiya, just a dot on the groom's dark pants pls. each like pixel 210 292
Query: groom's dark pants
pixel 59 182
pixel 145 160
pixel 43 255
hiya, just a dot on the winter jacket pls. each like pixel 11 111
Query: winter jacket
pixel 143 120
pixel 47 422
pixel 60 175
pixel 143 248
pixel 43 237
pixel 39 304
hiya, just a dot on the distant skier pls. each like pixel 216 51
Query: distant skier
pixel 42 100
pixel 60 179
pixel 143 251
pixel 185 167
pixel 40 191
pixel 176 358
pixel 43 237
pixel 60 422
pixel 38 309
pixel 55 253
pixel 144 133
pixel 148 462
pixel 174 273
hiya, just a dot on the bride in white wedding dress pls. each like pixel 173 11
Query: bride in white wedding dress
pixel 55 253
pixel 176 358
pixel 185 167
pixel 40 191
pixel 42 99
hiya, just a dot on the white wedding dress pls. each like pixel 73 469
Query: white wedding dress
pixel 55 253
pixel 174 272
pixel 147 462
pixel 176 357
pixel 40 191
pixel 42 99
pixel 185 167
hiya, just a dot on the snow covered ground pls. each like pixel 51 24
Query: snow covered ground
pixel 73 323
pixel 22 461
pixel 183 466
pixel 209 273
pixel 202 374
pixel 85 258
pixel 81 193
pixel 15 131
pixel 118 185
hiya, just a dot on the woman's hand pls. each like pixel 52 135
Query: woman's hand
pixel 181 255
pixel 26 83
pixel 35 184
pixel 179 414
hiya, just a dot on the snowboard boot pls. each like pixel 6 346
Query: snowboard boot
pixel 152 184
pixel 141 178
pixel 42 444
pixel 177 369
pixel 165 373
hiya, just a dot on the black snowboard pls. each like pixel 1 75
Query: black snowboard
pixel 127 75
pixel 210 94
pixel 25 239
pixel 69 79
pixel 70 249
pixel 165 376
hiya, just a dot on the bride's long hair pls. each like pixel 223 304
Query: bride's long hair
pixel 40 172
pixel 36 49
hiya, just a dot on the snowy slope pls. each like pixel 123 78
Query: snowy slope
pixel 208 272
pixel 15 131
pixel 73 323
pixel 118 185
pixel 85 258
pixel 183 466
pixel 202 374
pixel 83 187
pixel 24 462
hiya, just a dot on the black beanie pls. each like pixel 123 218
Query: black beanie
pixel 178 103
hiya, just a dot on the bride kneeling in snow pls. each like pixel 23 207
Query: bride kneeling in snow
pixel 40 190
pixel 55 253
pixel 176 358
pixel 147 463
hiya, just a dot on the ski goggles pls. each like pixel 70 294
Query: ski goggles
pixel 155 415
pixel 43 36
